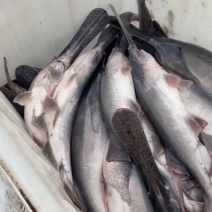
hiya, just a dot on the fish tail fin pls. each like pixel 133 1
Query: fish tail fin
pixel 127 35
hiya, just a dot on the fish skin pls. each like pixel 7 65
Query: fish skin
pixel 124 189
pixel 158 98
pixel 48 79
pixel 67 95
pixel 187 60
pixel 117 91
pixel 174 179
pixel 89 140
pixel 161 102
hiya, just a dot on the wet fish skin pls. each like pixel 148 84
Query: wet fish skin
pixel 39 96
pixel 89 140
pixel 67 95
pixel 117 91
pixel 187 60
pixel 175 121
pixel 158 94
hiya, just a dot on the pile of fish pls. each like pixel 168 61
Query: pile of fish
pixel 127 125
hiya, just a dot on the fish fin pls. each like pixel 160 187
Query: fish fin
pixel 177 188
pixel 159 28
pixel 23 98
pixel 40 122
pixel 116 154
pixel 55 75
pixel 172 80
pixel 207 139
pixel 174 164
pixel 135 107
pixel 184 85
pixel 197 129
pixel 49 104
pixel 126 70
pixel 200 121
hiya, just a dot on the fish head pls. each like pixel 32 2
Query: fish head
pixel 144 65
pixel 116 62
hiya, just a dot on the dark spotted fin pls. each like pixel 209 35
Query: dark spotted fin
pixel 129 129
pixel 207 140
pixel 23 98
pixel 13 86
pixel 117 154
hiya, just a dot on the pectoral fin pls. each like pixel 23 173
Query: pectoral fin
pixel 23 98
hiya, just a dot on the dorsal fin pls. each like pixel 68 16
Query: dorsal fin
pixel 128 37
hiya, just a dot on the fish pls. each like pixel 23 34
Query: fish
pixel 174 172
pixel 67 95
pixel 13 86
pixel 198 102
pixel 186 60
pixel 88 143
pixel 25 75
pixel 157 91
pixel 38 100
pixel 117 91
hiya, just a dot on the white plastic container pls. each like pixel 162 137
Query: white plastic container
pixel 33 32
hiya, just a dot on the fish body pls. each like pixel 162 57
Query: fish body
pixel 89 141
pixel 159 97
pixel 157 92
pixel 123 186
pixel 48 79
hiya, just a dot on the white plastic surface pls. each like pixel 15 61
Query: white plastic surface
pixel 33 32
